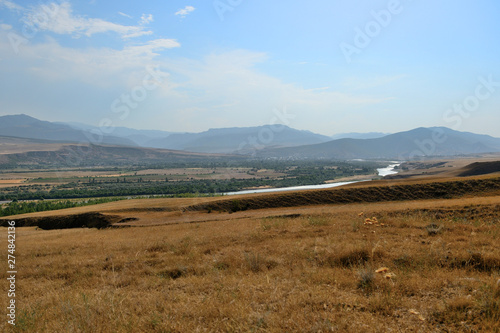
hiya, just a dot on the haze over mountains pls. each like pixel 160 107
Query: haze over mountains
pixel 222 140
pixel 23 126
pixel 217 140
pixel 270 141
pixel 356 135
pixel 408 145
pixel 240 140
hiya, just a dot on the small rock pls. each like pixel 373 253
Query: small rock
pixel 382 270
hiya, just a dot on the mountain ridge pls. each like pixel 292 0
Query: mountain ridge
pixel 242 140
pixel 24 126
pixel 358 135
pixel 413 144
pixel 268 141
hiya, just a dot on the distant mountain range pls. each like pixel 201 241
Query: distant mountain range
pixel 356 135
pixel 23 126
pixel 139 137
pixel 413 144
pixel 270 141
pixel 240 140
pixel 244 140
pixel 29 152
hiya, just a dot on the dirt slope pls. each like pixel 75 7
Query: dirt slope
pixel 480 168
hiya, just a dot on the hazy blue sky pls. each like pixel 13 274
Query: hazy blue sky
pixel 334 66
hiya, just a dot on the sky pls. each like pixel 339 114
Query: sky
pixel 327 66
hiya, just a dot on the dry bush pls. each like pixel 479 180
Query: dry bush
pixel 317 221
pixel 356 225
pixel 347 258
pixel 474 260
pixel 159 247
pixel 458 309
pixel 366 278
pixel 256 263
pixel 489 302
pixel 178 272
pixel 433 229
pixel 383 303
pixel 405 262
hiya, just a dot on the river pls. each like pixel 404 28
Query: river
pixel 292 188
pixel 389 170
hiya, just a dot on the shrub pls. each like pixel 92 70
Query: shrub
pixel 366 278
pixel 433 229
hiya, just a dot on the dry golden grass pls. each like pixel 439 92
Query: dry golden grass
pixel 11 182
pixel 17 146
pixel 304 269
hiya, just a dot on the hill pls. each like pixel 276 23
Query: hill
pixel 409 145
pixel 480 168
pixel 270 141
pixel 23 126
pixel 139 137
pixel 16 152
pixel 356 135
pixel 13 145
pixel 241 140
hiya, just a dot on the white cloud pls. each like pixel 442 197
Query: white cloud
pixel 61 20
pixel 146 19
pixel 11 5
pixel 4 26
pixel 221 89
pixel 52 62
pixel 125 15
pixel 185 11
pixel 150 48
pixel 226 89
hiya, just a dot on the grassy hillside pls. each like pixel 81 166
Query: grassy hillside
pixel 289 270
pixel 385 192
pixel 412 255
pixel 480 168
